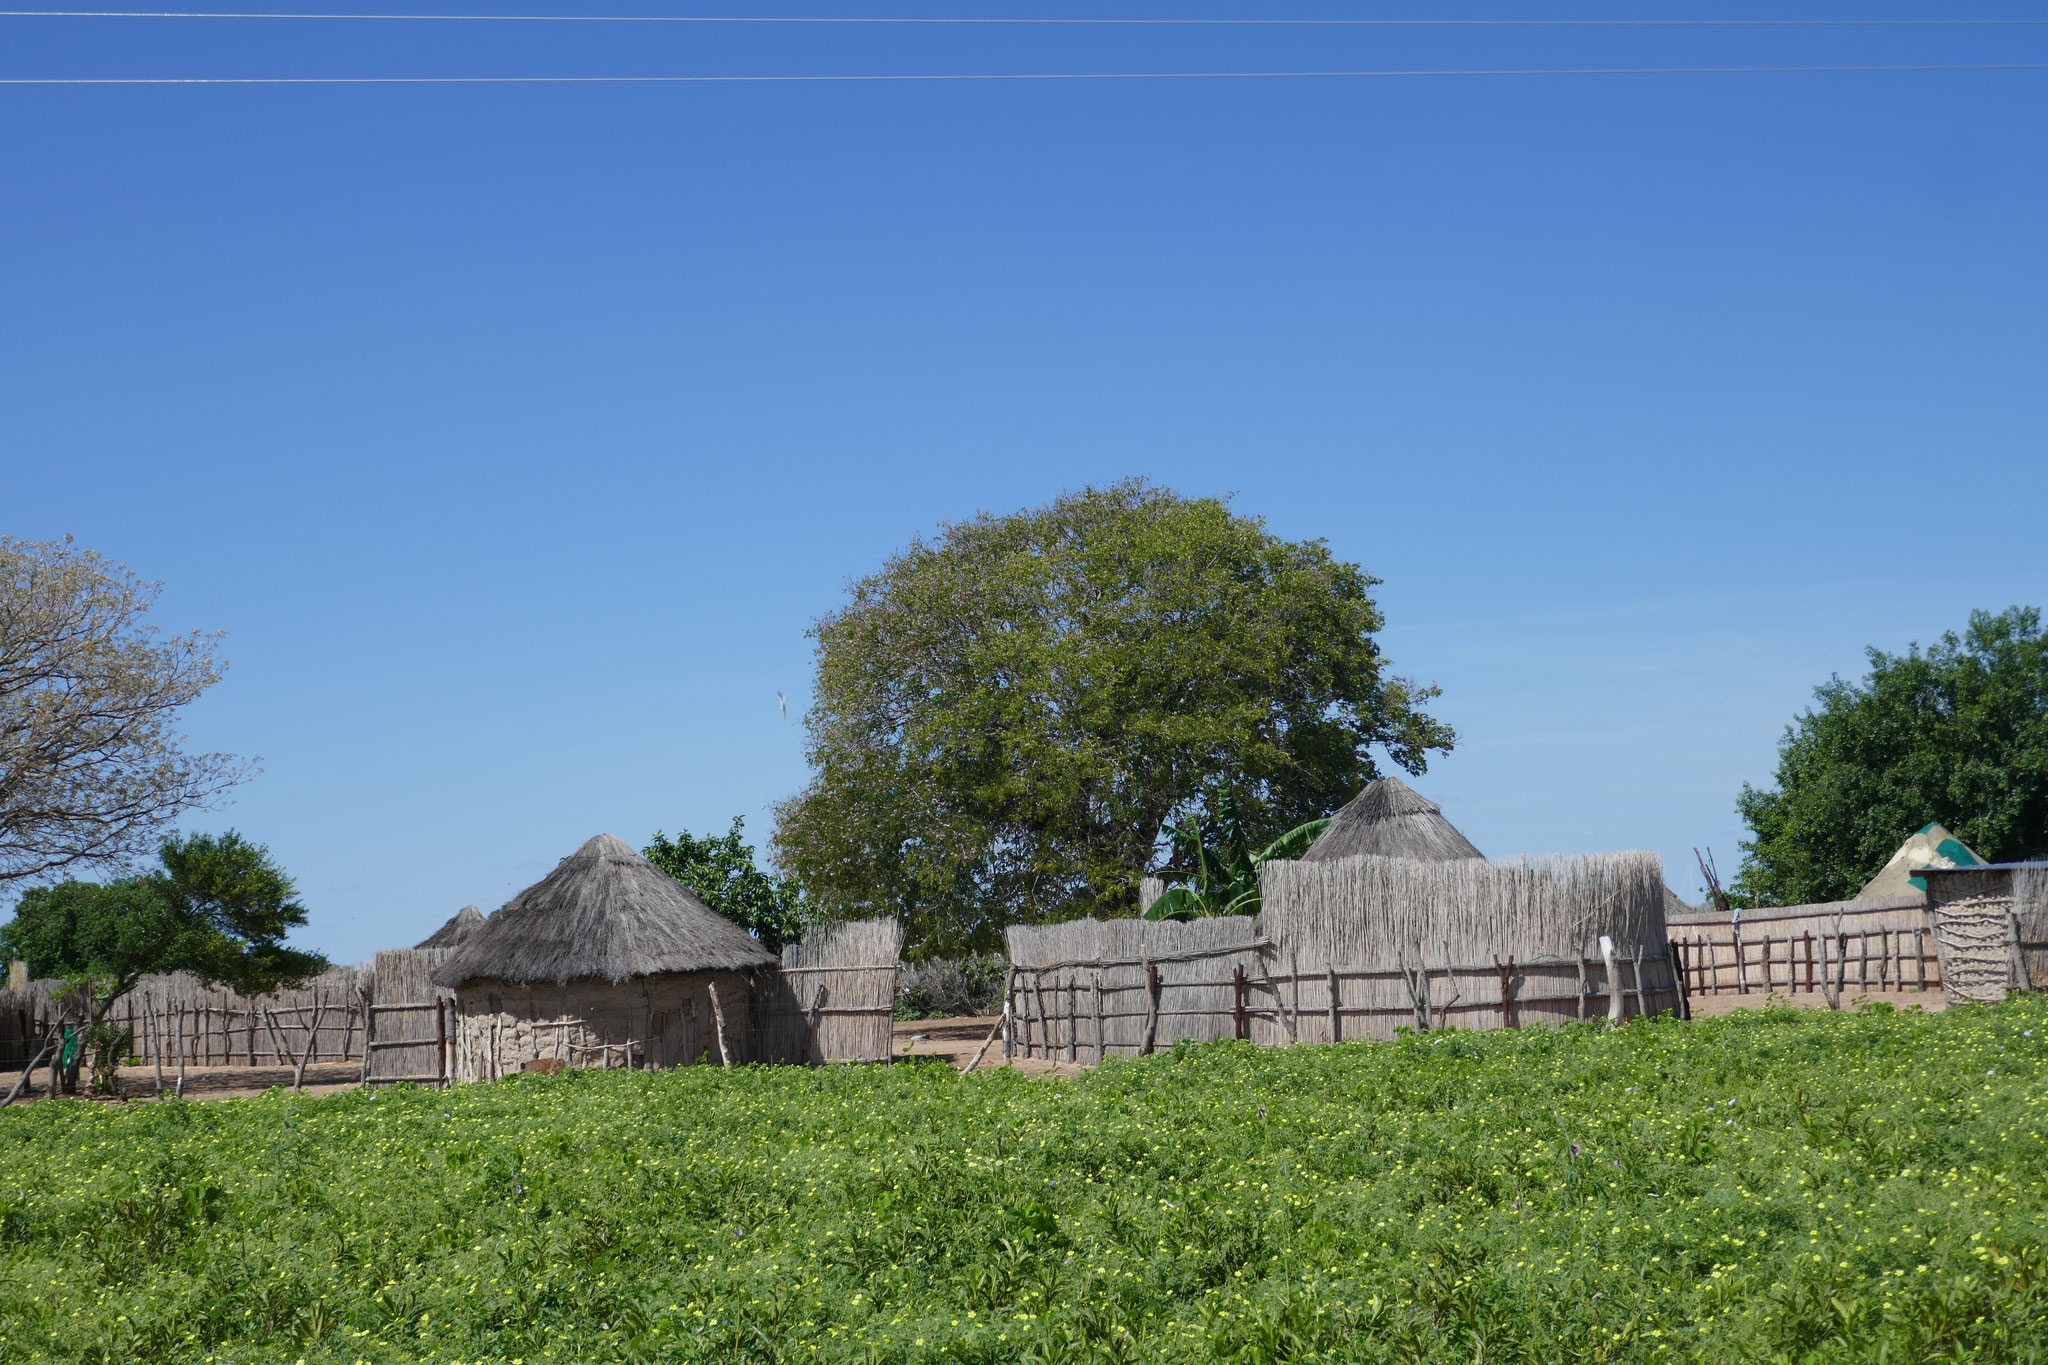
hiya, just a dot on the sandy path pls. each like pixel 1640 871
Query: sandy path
pixel 1712 1006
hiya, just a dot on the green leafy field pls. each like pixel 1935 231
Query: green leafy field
pixel 1770 1186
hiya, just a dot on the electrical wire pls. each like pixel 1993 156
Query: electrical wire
pixel 1022 76
pixel 1033 22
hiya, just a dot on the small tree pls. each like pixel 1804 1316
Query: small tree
pixel 90 769
pixel 1957 735
pixel 721 871
pixel 217 907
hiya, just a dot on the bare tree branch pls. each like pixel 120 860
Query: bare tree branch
pixel 91 770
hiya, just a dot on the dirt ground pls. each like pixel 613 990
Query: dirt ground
pixel 206 1082
pixel 956 1040
pixel 1712 1006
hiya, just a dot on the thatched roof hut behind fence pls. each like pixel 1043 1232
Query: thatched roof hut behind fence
pixel 456 931
pixel 1390 820
pixel 606 961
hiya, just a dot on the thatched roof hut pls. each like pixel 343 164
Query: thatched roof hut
pixel 1389 820
pixel 608 961
pixel 605 913
pixel 456 931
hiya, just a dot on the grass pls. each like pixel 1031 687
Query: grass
pixel 1769 1186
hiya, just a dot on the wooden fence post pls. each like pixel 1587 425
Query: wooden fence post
pixel 1151 1007
pixel 718 1027
pixel 1336 1021
pixel 1237 1010
pixel 441 1043
pixel 1009 1014
pixel 1044 1018
pixel 1073 1023
pixel 1101 1045
pixel 1507 990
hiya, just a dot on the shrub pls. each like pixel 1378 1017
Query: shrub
pixel 944 987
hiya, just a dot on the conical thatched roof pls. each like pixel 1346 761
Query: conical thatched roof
pixel 1392 821
pixel 605 912
pixel 457 930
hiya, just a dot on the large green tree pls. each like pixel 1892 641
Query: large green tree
pixel 216 906
pixel 1958 735
pixel 1009 714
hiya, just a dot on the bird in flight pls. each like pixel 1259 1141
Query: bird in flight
pixel 783 702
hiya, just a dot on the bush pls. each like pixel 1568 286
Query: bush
pixel 947 986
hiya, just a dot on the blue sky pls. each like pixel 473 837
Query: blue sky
pixel 516 433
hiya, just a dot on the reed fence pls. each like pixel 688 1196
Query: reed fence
pixel 1991 927
pixel 1859 946
pixel 1354 948
pixel 833 998
pixel 176 1017
pixel 406 1018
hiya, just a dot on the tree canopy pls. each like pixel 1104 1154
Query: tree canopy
pixel 721 871
pixel 91 771
pixel 217 906
pixel 1957 735
pixel 1008 715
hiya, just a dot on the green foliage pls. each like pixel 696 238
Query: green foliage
pixel 721 871
pixel 217 907
pixel 1224 879
pixel 1773 1186
pixel 945 987
pixel 1009 715
pixel 1957 736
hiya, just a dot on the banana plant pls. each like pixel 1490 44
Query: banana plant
pixel 1225 878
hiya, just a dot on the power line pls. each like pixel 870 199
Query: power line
pixel 1032 22
pixel 1020 76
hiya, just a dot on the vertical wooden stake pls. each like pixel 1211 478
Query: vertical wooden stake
pixel 1336 1021
pixel 1045 1020
pixel 1920 960
pixel 1237 1010
pixel 1294 1013
pixel 1009 1014
pixel 1101 1044
pixel 1506 973
pixel 1809 963
pixel 1073 1024
pixel 717 1024
pixel 1585 987
pixel 1741 967
pixel 441 1043
pixel 1151 1007
pixel 156 1042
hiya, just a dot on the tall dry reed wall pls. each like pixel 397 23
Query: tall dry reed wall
pixel 1355 948
pixel 1084 989
pixel 834 997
